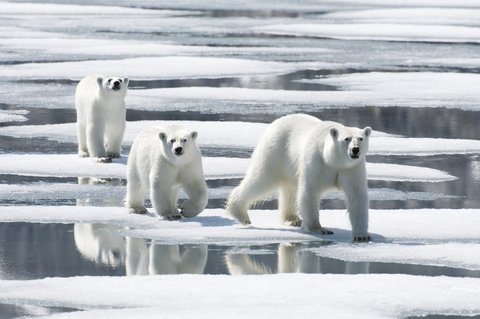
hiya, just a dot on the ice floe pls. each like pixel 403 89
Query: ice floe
pixel 377 31
pixel 421 226
pixel 110 192
pixel 169 67
pixel 409 85
pixel 432 16
pixel 13 116
pixel 10 8
pixel 451 254
pixel 70 165
pixel 246 135
pixel 284 101
pixel 110 297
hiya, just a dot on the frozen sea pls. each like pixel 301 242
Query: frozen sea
pixel 409 69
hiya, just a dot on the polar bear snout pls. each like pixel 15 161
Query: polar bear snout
pixel 116 85
pixel 355 152
pixel 178 150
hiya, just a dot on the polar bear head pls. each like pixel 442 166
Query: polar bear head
pixel 349 145
pixel 113 85
pixel 179 145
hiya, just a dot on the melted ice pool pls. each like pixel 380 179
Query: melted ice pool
pixel 34 251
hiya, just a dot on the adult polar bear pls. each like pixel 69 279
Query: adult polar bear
pixel 100 105
pixel 163 160
pixel 303 157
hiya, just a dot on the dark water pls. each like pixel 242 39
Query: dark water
pixel 34 251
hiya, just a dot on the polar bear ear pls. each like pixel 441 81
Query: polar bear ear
pixel 367 130
pixel 194 134
pixel 126 80
pixel 333 132
pixel 162 136
pixel 100 81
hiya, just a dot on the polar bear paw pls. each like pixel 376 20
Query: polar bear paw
pixel 189 209
pixel 82 154
pixel 137 210
pixel 113 155
pixel 103 160
pixel 294 222
pixel 318 230
pixel 170 217
pixel 361 238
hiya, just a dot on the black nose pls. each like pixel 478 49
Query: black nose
pixel 355 150
pixel 178 150
pixel 116 84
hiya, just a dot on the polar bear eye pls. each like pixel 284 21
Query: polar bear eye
pixel 360 138
pixel 184 140
pixel 347 139
pixel 173 140
pixel 109 80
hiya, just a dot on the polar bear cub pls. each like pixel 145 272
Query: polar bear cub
pixel 100 105
pixel 303 157
pixel 163 160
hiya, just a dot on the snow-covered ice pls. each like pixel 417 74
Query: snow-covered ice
pixel 240 296
pixel 381 143
pixel 13 116
pixel 236 64
pixel 378 31
pixel 169 67
pixel 70 165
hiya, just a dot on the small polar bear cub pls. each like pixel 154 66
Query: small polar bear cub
pixel 100 105
pixel 303 157
pixel 163 160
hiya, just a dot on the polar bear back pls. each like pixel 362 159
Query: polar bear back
pixel 279 149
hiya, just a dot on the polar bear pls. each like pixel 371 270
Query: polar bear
pixel 100 105
pixel 303 157
pixel 163 160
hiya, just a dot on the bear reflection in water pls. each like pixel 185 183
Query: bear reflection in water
pixel 102 244
pixel 291 258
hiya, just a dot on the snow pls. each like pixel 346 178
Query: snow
pixel 310 100
pixel 410 85
pixel 424 233
pixel 404 54
pixel 70 165
pixel 380 144
pixel 388 227
pixel 442 16
pixel 13 116
pixel 452 254
pixel 109 192
pixel 170 67
pixel 9 8
pixel 251 296
pixel 378 31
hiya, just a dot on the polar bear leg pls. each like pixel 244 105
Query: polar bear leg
pixel 197 198
pixel 356 194
pixel 162 195
pixel 252 188
pixel 309 204
pixel 135 193
pixel 82 140
pixel 287 206
pixel 114 133
pixel 94 134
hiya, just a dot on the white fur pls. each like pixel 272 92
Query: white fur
pixel 154 165
pixel 100 105
pixel 303 157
